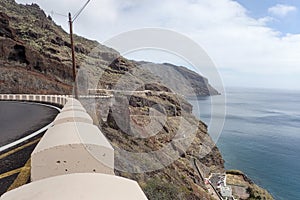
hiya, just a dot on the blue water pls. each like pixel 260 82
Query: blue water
pixel 261 137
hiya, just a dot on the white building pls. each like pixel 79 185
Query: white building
pixel 226 192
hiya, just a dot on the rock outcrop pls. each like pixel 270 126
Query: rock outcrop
pixel 244 188
pixel 32 43
pixel 147 122
pixel 191 84
pixel 147 113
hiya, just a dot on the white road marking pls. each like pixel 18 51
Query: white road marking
pixel 5 147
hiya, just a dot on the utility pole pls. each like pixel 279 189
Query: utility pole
pixel 73 48
pixel 73 56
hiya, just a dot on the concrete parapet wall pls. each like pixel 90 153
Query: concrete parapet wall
pixel 73 160
pixel 72 102
pixel 73 108
pixel 73 147
pixel 79 187
pixel 72 116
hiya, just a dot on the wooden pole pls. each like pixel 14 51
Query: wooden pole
pixel 73 56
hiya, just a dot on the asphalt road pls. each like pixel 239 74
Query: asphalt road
pixel 18 119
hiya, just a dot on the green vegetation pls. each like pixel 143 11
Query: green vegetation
pixel 156 189
pixel 257 193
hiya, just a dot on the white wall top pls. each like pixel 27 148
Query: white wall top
pixel 73 107
pixel 72 148
pixel 73 116
pixel 72 101
pixel 72 133
pixel 79 187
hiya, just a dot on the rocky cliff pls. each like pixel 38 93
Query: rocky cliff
pixel 35 52
pixel 192 84
pixel 35 57
pixel 146 114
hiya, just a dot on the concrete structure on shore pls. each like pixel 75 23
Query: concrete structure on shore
pixel 218 182
pixel 73 160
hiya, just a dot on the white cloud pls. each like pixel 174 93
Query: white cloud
pixel 265 20
pixel 234 40
pixel 281 10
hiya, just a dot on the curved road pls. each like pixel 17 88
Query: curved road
pixel 19 119
pixel 21 127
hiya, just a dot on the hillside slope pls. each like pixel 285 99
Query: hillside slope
pixel 35 57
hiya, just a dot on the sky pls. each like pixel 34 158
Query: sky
pixel 253 43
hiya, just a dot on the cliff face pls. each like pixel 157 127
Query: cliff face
pixel 38 53
pixel 35 58
pixel 191 83
pixel 35 54
pixel 157 140
pixel 25 66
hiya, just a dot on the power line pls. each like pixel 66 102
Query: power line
pixel 55 13
pixel 73 47
pixel 80 11
pixel 52 12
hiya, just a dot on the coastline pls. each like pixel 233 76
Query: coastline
pixel 263 125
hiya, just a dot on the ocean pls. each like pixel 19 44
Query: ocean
pixel 261 137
